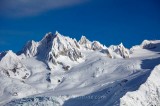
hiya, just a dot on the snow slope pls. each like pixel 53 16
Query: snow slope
pixel 63 71
pixel 148 94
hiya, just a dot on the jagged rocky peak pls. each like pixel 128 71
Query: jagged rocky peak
pixel 109 52
pixel 11 66
pixel 57 33
pixel 62 43
pixel 30 49
pixel 48 38
pixel 124 52
pixel 52 46
pixel 120 50
pixel 61 46
pixel 85 42
pixel 96 46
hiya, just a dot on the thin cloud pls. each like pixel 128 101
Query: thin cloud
pixel 22 8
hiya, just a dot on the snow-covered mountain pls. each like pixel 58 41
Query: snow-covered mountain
pixel 59 70
pixel 118 51
pixel 95 45
pixel 51 47
pixel 11 66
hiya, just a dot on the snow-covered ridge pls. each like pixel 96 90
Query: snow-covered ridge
pixel 153 45
pixel 57 44
pixel 57 69
pixel 51 47
pixel 150 44
pixel 85 42
pixel 52 50
pixel 119 50
pixel 30 49
pixel 54 46
pixel 88 45
pixel 148 94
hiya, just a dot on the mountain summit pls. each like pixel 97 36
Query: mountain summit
pixel 59 70
pixel 53 46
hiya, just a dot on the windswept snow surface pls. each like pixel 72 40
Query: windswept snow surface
pixel 59 70
pixel 148 94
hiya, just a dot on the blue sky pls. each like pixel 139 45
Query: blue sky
pixel 108 21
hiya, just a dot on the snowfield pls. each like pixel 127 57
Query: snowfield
pixel 61 71
pixel 148 94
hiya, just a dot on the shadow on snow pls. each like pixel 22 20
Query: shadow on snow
pixel 114 92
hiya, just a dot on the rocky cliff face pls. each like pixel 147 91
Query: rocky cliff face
pixel 53 46
pixel 118 51
pixel 30 49
pixel 56 45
